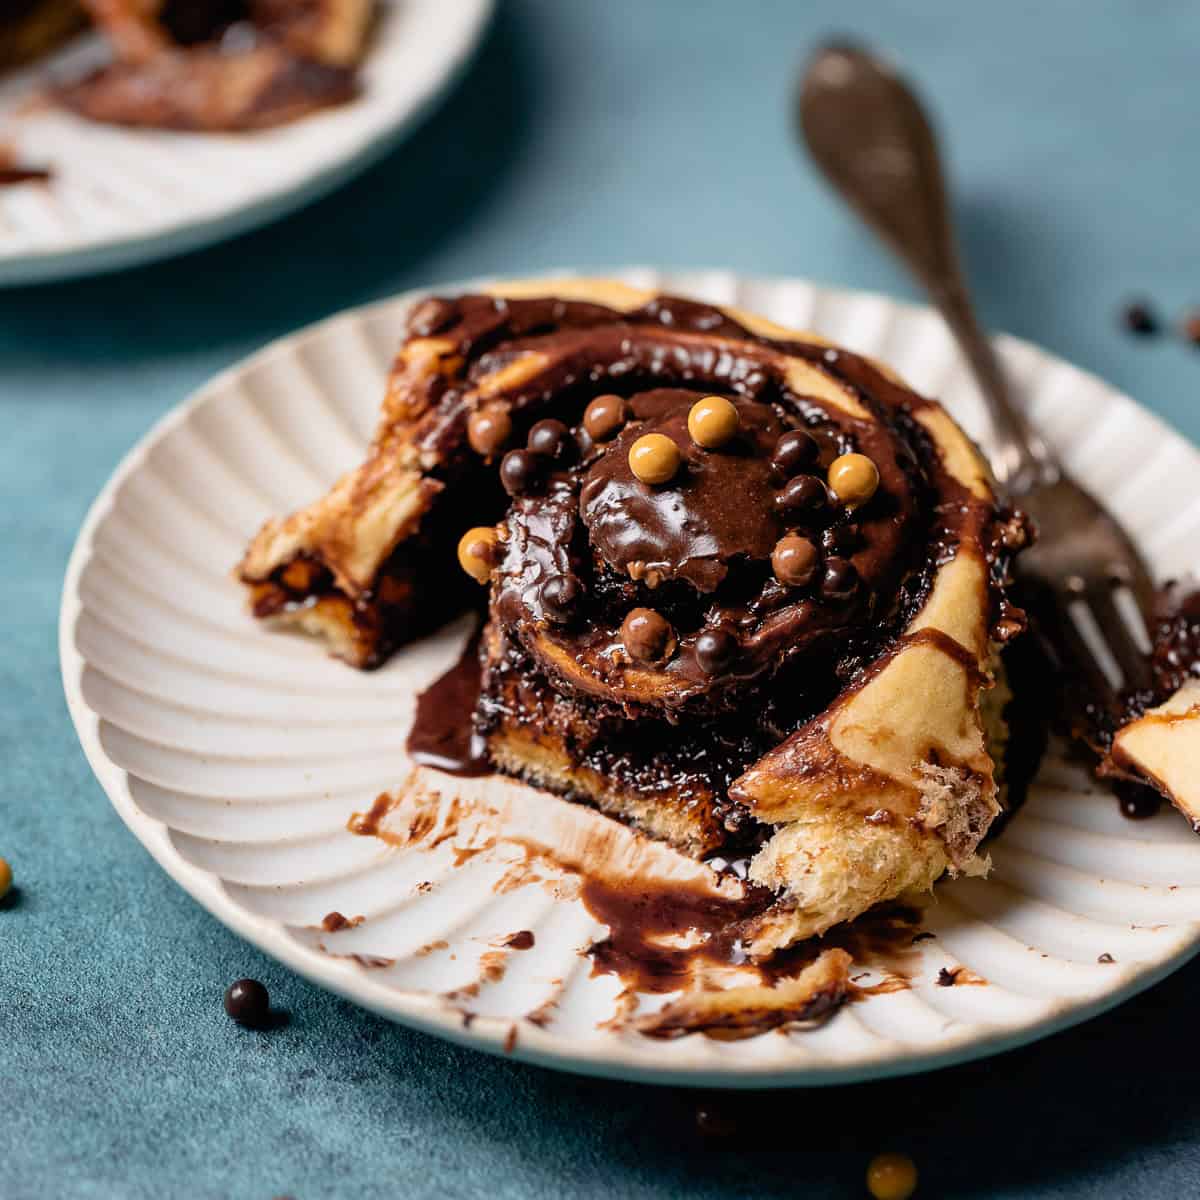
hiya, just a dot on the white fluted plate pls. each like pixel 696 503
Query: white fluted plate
pixel 238 757
pixel 125 196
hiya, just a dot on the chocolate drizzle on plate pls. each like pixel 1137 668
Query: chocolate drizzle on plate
pixel 443 734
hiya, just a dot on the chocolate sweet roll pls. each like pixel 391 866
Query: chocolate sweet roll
pixel 744 589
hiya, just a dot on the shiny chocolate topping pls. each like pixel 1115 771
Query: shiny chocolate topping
pixel 715 510
pixel 586 541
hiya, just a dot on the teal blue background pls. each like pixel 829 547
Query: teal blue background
pixel 587 133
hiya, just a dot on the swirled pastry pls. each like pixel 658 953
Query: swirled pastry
pixel 746 590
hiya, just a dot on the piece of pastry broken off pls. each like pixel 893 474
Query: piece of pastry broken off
pixel 745 590
pixel 1158 741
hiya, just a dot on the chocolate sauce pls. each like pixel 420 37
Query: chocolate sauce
pixel 11 174
pixel 641 916
pixel 443 735
pixel 661 934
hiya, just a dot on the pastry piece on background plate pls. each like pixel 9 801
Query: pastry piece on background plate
pixel 221 65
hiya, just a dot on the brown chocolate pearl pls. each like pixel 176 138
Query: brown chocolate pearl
pixel 520 472
pixel 840 579
pixel 604 417
pixel 712 422
pixel 804 494
pixel 715 650
pixel 488 430
pixel 793 452
pixel 550 439
pixel 248 1003
pixel 477 552
pixel 648 636
pixel 654 458
pixel 794 560
pixel 560 596
pixel 1190 327
pixel 853 479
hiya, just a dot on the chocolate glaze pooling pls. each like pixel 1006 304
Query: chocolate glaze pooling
pixel 443 735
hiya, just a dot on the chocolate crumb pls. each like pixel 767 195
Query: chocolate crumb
pixel 948 977
pixel 334 921
pixel 1189 327
pixel 1106 958
pixel 523 939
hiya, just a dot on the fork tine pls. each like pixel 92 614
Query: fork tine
pixel 1070 647
pixel 1100 597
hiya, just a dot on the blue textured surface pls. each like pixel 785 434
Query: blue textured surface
pixel 592 134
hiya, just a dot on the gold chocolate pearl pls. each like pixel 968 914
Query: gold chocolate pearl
pixel 603 417
pixel 794 560
pixel 488 430
pixel 477 552
pixel 891 1177
pixel 5 878
pixel 654 458
pixel 712 422
pixel 853 479
pixel 648 636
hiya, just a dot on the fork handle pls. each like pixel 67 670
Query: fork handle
pixel 870 136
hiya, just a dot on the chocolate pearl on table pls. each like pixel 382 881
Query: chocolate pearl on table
pixel 839 580
pixel 712 421
pixel 488 430
pixel 715 650
pixel 794 451
pixel 6 878
pixel 477 552
pixel 520 472
pixel 604 417
pixel 550 439
pixel 853 479
pixel 654 458
pixel 560 596
pixel 248 1002
pixel 804 494
pixel 1138 318
pixel 716 1123
pixel 891 1177
pixel 648 636
pixel 794 560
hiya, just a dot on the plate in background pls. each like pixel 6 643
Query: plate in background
pixel 125 196
pixel 238 757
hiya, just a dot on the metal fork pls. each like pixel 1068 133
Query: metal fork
pixel 870 136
